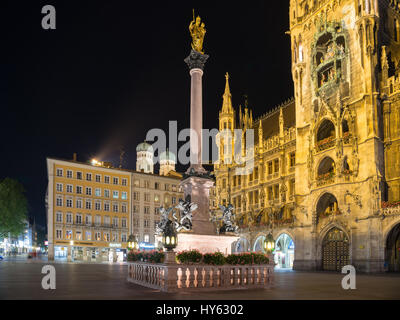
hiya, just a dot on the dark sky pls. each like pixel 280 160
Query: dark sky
pixel 112 70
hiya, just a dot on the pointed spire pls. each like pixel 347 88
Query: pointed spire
pixel 227 97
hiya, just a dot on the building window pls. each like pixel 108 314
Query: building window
pixel 79 175
pixel 135 209
pixel 136 196
pixel 88 176
pixel 123 223
pixel 124 195
pixel 147 184
pixel 98 178
pixel 97 220
pixel 58 234
pixel 106 206
pixel 106 193
pixel 146 238
pixel 156 198
pixel 270 167
pixel 115 237
pixel 97 236
pixel 88 204
pixel 270 193
pixel 69 217
pixel 106 236
pixel 78 219
pixel 88 236
pixel 78 235
pixel 123 237
pixel 115 180
pixel 115 222
pixel 59 172
pixel 88 191
pixel 88 219
pixel 69 174
pixel 123 208
pixel 59 201
pixel 157 185
pixel 68 234
pixel 69 188
pixel 97 205
pixel 147 197
pixel 276 191
pixel 136 183
pixel 78 189
pixel 106 179
pixel 124 181
pixel 115 207
pixel 115 194
pixel 79 203
pixel 146 223
pixel 146 210
pixel 292 159
pixel 59 187
pixel 69 203
pixel 97 192
pixel 156 211
pixel 59 217
pixel 276 165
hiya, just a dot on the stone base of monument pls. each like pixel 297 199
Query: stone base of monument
pixel 206 243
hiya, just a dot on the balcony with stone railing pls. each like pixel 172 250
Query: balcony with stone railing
pixel 325 144
pixel 289 135
pixel 326 179
pixel 181 278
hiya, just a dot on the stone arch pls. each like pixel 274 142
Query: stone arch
pixel 391 242
pixel 258 245
pixel 327 205
pixel 326 166
pixel 242 245
pixel 322 236
pixel 284 250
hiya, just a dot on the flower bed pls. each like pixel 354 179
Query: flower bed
pixel 150 256
pixel 218 259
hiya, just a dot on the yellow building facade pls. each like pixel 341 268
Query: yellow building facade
pixel 88 208
pixel 339 202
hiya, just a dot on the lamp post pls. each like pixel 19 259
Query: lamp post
pixel 269 246
pixel 170 241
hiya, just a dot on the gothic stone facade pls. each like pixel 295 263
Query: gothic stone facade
pixel 339 200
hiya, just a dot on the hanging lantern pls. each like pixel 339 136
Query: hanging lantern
pixel 269 243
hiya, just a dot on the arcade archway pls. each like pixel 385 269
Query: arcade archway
pixel 259 244
pixel 284 252
pixel 392 253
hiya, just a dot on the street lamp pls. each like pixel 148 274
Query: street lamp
pixel 269 246
pixel 170 241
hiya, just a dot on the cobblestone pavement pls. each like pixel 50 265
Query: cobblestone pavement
pixel 22 280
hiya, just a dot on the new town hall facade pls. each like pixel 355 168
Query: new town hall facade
pixel 326 178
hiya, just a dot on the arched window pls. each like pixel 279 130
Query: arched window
pixel 327 205
pixel 325 135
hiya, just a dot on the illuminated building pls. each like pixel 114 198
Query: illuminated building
pixel 329 178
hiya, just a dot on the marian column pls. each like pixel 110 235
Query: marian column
pixel 197 181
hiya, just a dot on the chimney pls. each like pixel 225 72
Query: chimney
pixel 74 157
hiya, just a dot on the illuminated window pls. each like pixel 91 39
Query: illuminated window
pixel 97 192
pixel 157 198
pixel 124 195
pixel 115 194
pixel 68 234
pixel 106 236
pixel 146 238
pixel 97 236
pixel 114 237
pixel 88 235
pixel 78 235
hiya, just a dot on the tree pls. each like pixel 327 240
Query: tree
pixel 13 208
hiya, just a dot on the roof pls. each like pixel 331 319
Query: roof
pixel 144 146
pixel 168 155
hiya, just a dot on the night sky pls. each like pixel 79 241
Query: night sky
pixel 112 70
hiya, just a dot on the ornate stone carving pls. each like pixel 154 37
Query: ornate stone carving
pixel 196 60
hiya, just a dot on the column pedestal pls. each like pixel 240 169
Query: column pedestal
pixel 170 257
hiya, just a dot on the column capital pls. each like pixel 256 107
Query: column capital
pixel 196 60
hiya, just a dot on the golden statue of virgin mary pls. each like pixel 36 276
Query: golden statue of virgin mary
pixel 197 31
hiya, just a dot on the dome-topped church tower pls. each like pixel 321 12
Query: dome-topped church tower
pixel 167 162
pixel 144 158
